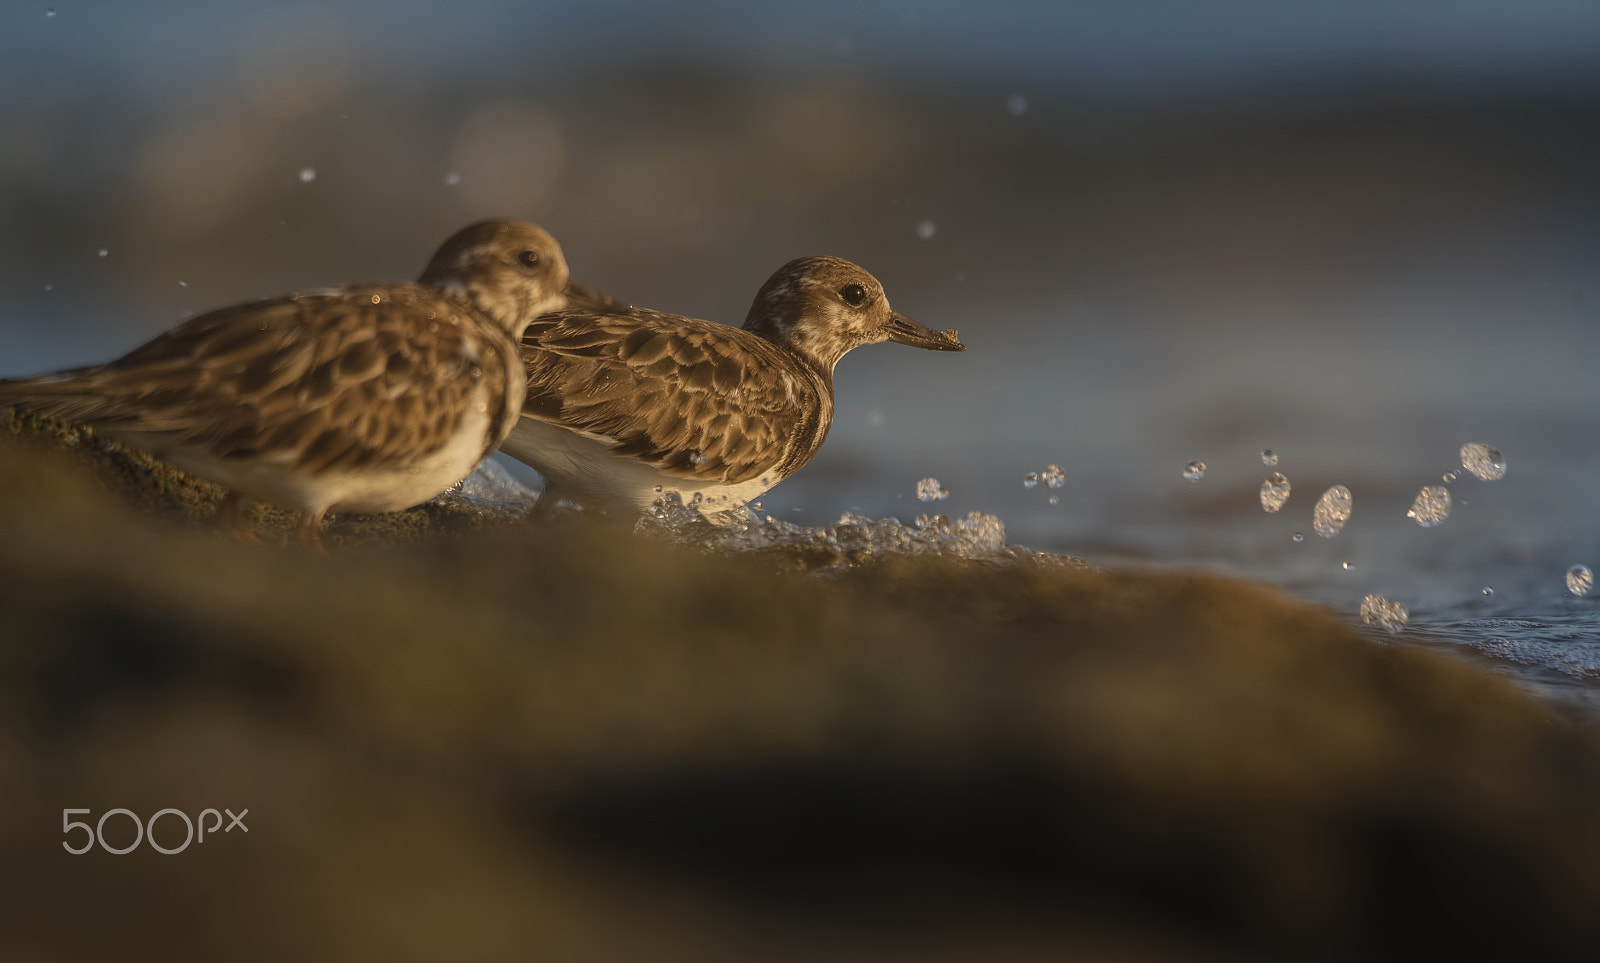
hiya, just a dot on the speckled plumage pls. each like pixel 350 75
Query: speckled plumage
pixel 624 403
pixel 362 398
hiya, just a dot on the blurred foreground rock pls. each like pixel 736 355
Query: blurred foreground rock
pixel 468 739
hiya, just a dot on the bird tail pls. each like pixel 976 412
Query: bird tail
pixel 70 395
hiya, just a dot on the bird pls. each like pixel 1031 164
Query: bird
pixel 363 398
pixel 626 404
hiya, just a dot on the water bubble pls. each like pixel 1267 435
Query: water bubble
pixel 1274 492
pixel 1579 580
pixel 929 489
pixel 1347 566
pixel 103 252
pixel 1488 591
pixel 926 229
pixel 697 457
pixel 50 12
pixel 1055 499
pixel 1030 480
pixel 1377 610
pixel 49 287
pixel 1269 457
pixel 308 174
pixel 1194 471
pixel 452 179
pixel 1483 461
pixel 1016 105
pixel 1299 537
pixel 1053 476
pixel 1432 506
pixel 1332 511
pixel 1450 477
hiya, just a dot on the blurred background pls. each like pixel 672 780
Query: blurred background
pixel 1360 234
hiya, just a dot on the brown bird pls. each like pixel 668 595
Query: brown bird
pixel 625 404
pixel 365 398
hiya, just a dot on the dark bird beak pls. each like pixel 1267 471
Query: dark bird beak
pixel 581 297
pixel 903 330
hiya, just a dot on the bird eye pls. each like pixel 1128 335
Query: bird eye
pixel 529 258
pixel 853 294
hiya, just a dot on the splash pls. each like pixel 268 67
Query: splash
pixel 1483 461
pixel 1377 610
pixel 1274 492
pixel 850 541
pixel 1332 511
pixel 1432 506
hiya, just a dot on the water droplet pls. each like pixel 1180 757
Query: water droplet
pixel 1055 499
pixel 1269 457
pixel 1299 537
pixel 452 179
pixel 1579 580
pixel 697 457
pixel 926 229
pixel 1488 591
pixel 104 252
pixel 1030 480
pixel 1194 471
pixel 1432 506
pixel 1053 476
pixel 50 12
pixel 308 174
pixel 929 489
pixel 1483 461
pixel 1332 511
pixel 1377 610
pixel 1016 105
pixel 183 284
pixel 1347 566
pixel 1274 492
pixel 1450 477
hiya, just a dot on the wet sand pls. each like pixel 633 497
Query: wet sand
pixel 463 736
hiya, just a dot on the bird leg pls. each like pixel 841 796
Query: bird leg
pixel 307 531
pixel 545 508
pixel 231 519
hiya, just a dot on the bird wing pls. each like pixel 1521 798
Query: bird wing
pixel 356 378
pixel 695 399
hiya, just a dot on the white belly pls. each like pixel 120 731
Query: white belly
pixel 271 480
pixel 588 470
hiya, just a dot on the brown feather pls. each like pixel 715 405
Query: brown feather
pixel 662 388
